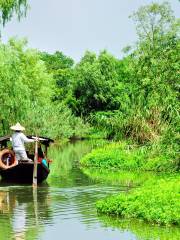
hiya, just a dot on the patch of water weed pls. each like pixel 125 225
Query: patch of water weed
pixel 156 201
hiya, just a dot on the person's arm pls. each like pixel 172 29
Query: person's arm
pixel 25 139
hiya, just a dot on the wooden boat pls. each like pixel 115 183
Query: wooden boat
pixel 22 171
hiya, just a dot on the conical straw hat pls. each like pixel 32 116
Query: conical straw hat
pixel 17 127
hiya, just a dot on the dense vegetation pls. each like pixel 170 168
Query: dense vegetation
pixel 156 201
pixel 145 109
pixel 132 157
pixel 27 90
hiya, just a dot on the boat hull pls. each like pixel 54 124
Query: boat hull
pixel 23 173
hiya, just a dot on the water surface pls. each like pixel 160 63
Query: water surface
pixel 64 206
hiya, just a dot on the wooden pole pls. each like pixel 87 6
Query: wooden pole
pixel 45 151
pixel 35 205
pixel 35 164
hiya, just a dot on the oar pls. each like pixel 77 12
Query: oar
pixel 35 164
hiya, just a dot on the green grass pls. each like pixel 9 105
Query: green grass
pixel 156 201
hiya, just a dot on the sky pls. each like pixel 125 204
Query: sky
pixel 74 26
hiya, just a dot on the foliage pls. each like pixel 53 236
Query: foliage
pixel 136 97
pixel 58 122
pixel 116 156
pixel 156 201
pixel 26 95
pixel 8 8
pixel 155 65
pixel 119 125
pixel 131 157
pixel 25 85
pixel 153 20
pixel 95 86
pixel 60 66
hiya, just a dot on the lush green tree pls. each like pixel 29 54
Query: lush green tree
pixel 96 86
pixel 86 85
pixel 27 89
pixel 25 84
pixel 148 83
pixel 148 80
pixel 60 66
pixel 56 61
pixel 10 7
pixel 156 63
pixel 153 20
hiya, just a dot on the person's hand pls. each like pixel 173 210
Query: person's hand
pixel 36 139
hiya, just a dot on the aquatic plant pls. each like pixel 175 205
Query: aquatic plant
pixel 156 201
pixel 130 157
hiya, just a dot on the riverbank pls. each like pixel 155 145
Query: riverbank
pixel 156 199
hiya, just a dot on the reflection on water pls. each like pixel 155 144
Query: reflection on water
pixel 142 230
pixel 120 178
pixel 65 171
pixel 64 207
pixel 22 211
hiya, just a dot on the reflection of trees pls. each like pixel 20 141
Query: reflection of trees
pixel 64 171
pixel 141 229
pixel 22 211
pixel 121 178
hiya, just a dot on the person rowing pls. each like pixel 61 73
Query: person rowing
pixel 18 139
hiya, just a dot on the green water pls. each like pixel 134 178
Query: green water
pixel 64 206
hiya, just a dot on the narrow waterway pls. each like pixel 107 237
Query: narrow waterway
pixel 64 206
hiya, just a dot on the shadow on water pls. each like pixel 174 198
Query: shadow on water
pixel 64 207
